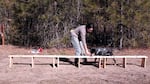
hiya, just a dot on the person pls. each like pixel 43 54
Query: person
pixel 78 39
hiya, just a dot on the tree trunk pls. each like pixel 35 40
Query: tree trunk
pixel 121 27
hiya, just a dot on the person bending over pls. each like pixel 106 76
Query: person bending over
pixel 78 39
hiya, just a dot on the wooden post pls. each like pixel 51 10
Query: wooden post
pixel 124 62
pixel 104 62
pixel 32 58
pixel 78 62
pixel 99 63
pixel 143 63
pixel 57 61
pixel 53 62
pixel 10 62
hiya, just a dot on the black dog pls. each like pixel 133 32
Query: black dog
pixel 102 52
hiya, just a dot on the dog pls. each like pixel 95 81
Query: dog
pixel 102 52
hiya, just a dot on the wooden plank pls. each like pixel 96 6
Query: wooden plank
pixel 68 56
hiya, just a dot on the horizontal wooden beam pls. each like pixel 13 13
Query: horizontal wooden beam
pixel 69 56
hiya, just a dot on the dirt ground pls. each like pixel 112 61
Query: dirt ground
pixel 43 73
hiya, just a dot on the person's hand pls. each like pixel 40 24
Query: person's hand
pixel 92 54
pixel 88 53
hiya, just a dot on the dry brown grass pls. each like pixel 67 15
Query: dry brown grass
pixel 43 73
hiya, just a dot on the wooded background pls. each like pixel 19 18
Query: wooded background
pixel 46 23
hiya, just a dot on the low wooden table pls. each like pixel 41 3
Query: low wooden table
pixel 143 62
pixel 54 57
pixel 32 58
